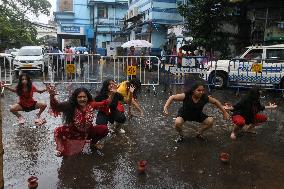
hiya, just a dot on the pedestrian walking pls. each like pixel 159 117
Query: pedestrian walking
pixel 78 115
pixel 246 112
pixel 192 109
pixel 25 90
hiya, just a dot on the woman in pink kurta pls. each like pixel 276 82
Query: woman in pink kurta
pixel 78 115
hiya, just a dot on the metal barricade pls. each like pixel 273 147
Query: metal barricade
pixel 6 69
pixel 73 68
pixel 186 68
pixel 93 68
pixel 121 68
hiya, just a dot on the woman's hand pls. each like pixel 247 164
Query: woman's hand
pixel 271 106
pixel 228 106
pixel 2 84
pixel 51 90
pixel 166 112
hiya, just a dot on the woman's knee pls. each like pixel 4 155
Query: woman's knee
pixel 209 121
pixel 178 122
pixel 239 120
pixel 260 118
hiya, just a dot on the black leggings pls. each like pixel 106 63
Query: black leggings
pixel 115 116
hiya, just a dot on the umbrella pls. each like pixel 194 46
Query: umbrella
pixel 136 43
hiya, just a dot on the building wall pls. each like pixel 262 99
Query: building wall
pixel 73 19
pixel 107 28
pixel 159 14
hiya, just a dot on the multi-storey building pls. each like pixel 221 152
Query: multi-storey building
pixel 151 19
pixel 107 18
pixel 73 22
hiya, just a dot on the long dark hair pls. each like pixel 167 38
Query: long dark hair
pixel 104 90
pixel 19 88
pixel 103 94
pixel 137 84
pixel 68 114
pixel 194 87
pixel 253 95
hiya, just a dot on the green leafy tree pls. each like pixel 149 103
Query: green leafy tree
pixel 204 21
pixel 16 29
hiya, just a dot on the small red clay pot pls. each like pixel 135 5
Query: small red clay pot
pixel 141 166
pixel 224 157
pixel 33 184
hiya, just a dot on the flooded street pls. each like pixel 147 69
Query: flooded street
pixel 256 161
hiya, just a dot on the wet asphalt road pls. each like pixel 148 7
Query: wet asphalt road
pixel 257 161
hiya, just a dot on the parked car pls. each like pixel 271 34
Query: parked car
pixel 30 58
pixel 242 69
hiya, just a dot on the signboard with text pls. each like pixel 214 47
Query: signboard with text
pixel 70 29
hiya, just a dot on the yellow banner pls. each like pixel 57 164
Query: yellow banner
pixel 131 70
pixel 70 68
pixel 256 67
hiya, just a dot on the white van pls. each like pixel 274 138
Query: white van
pixel 30 58
pixel 258 65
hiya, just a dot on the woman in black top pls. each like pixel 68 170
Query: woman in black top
pixel 246 112
pixel 193 103
pixel 115 111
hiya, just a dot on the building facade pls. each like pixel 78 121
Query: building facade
pixel 107 17
pixel 73 22
pixel 150 20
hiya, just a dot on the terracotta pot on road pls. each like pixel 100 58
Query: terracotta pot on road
pixel 141 166
pixel 33 184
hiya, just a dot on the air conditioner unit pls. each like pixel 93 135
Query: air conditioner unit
pixel 135 11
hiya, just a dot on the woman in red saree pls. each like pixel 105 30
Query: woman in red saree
pixel 78 115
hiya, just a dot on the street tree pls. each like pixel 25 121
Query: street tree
pixel 204 21
pixel 16 29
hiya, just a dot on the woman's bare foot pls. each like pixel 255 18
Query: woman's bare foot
pixel 58 153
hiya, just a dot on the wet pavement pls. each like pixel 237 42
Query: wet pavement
pixel 256 161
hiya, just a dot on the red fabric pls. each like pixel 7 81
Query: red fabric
pixel 259 118
pixel 70 141
pixel 26 99
pixel 240 120
pixel 120 107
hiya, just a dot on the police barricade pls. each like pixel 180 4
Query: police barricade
pixel 266 73
pixel 6 69
pixel 177 70
pixel 93 68
pixel 72 68
pixel 121 68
